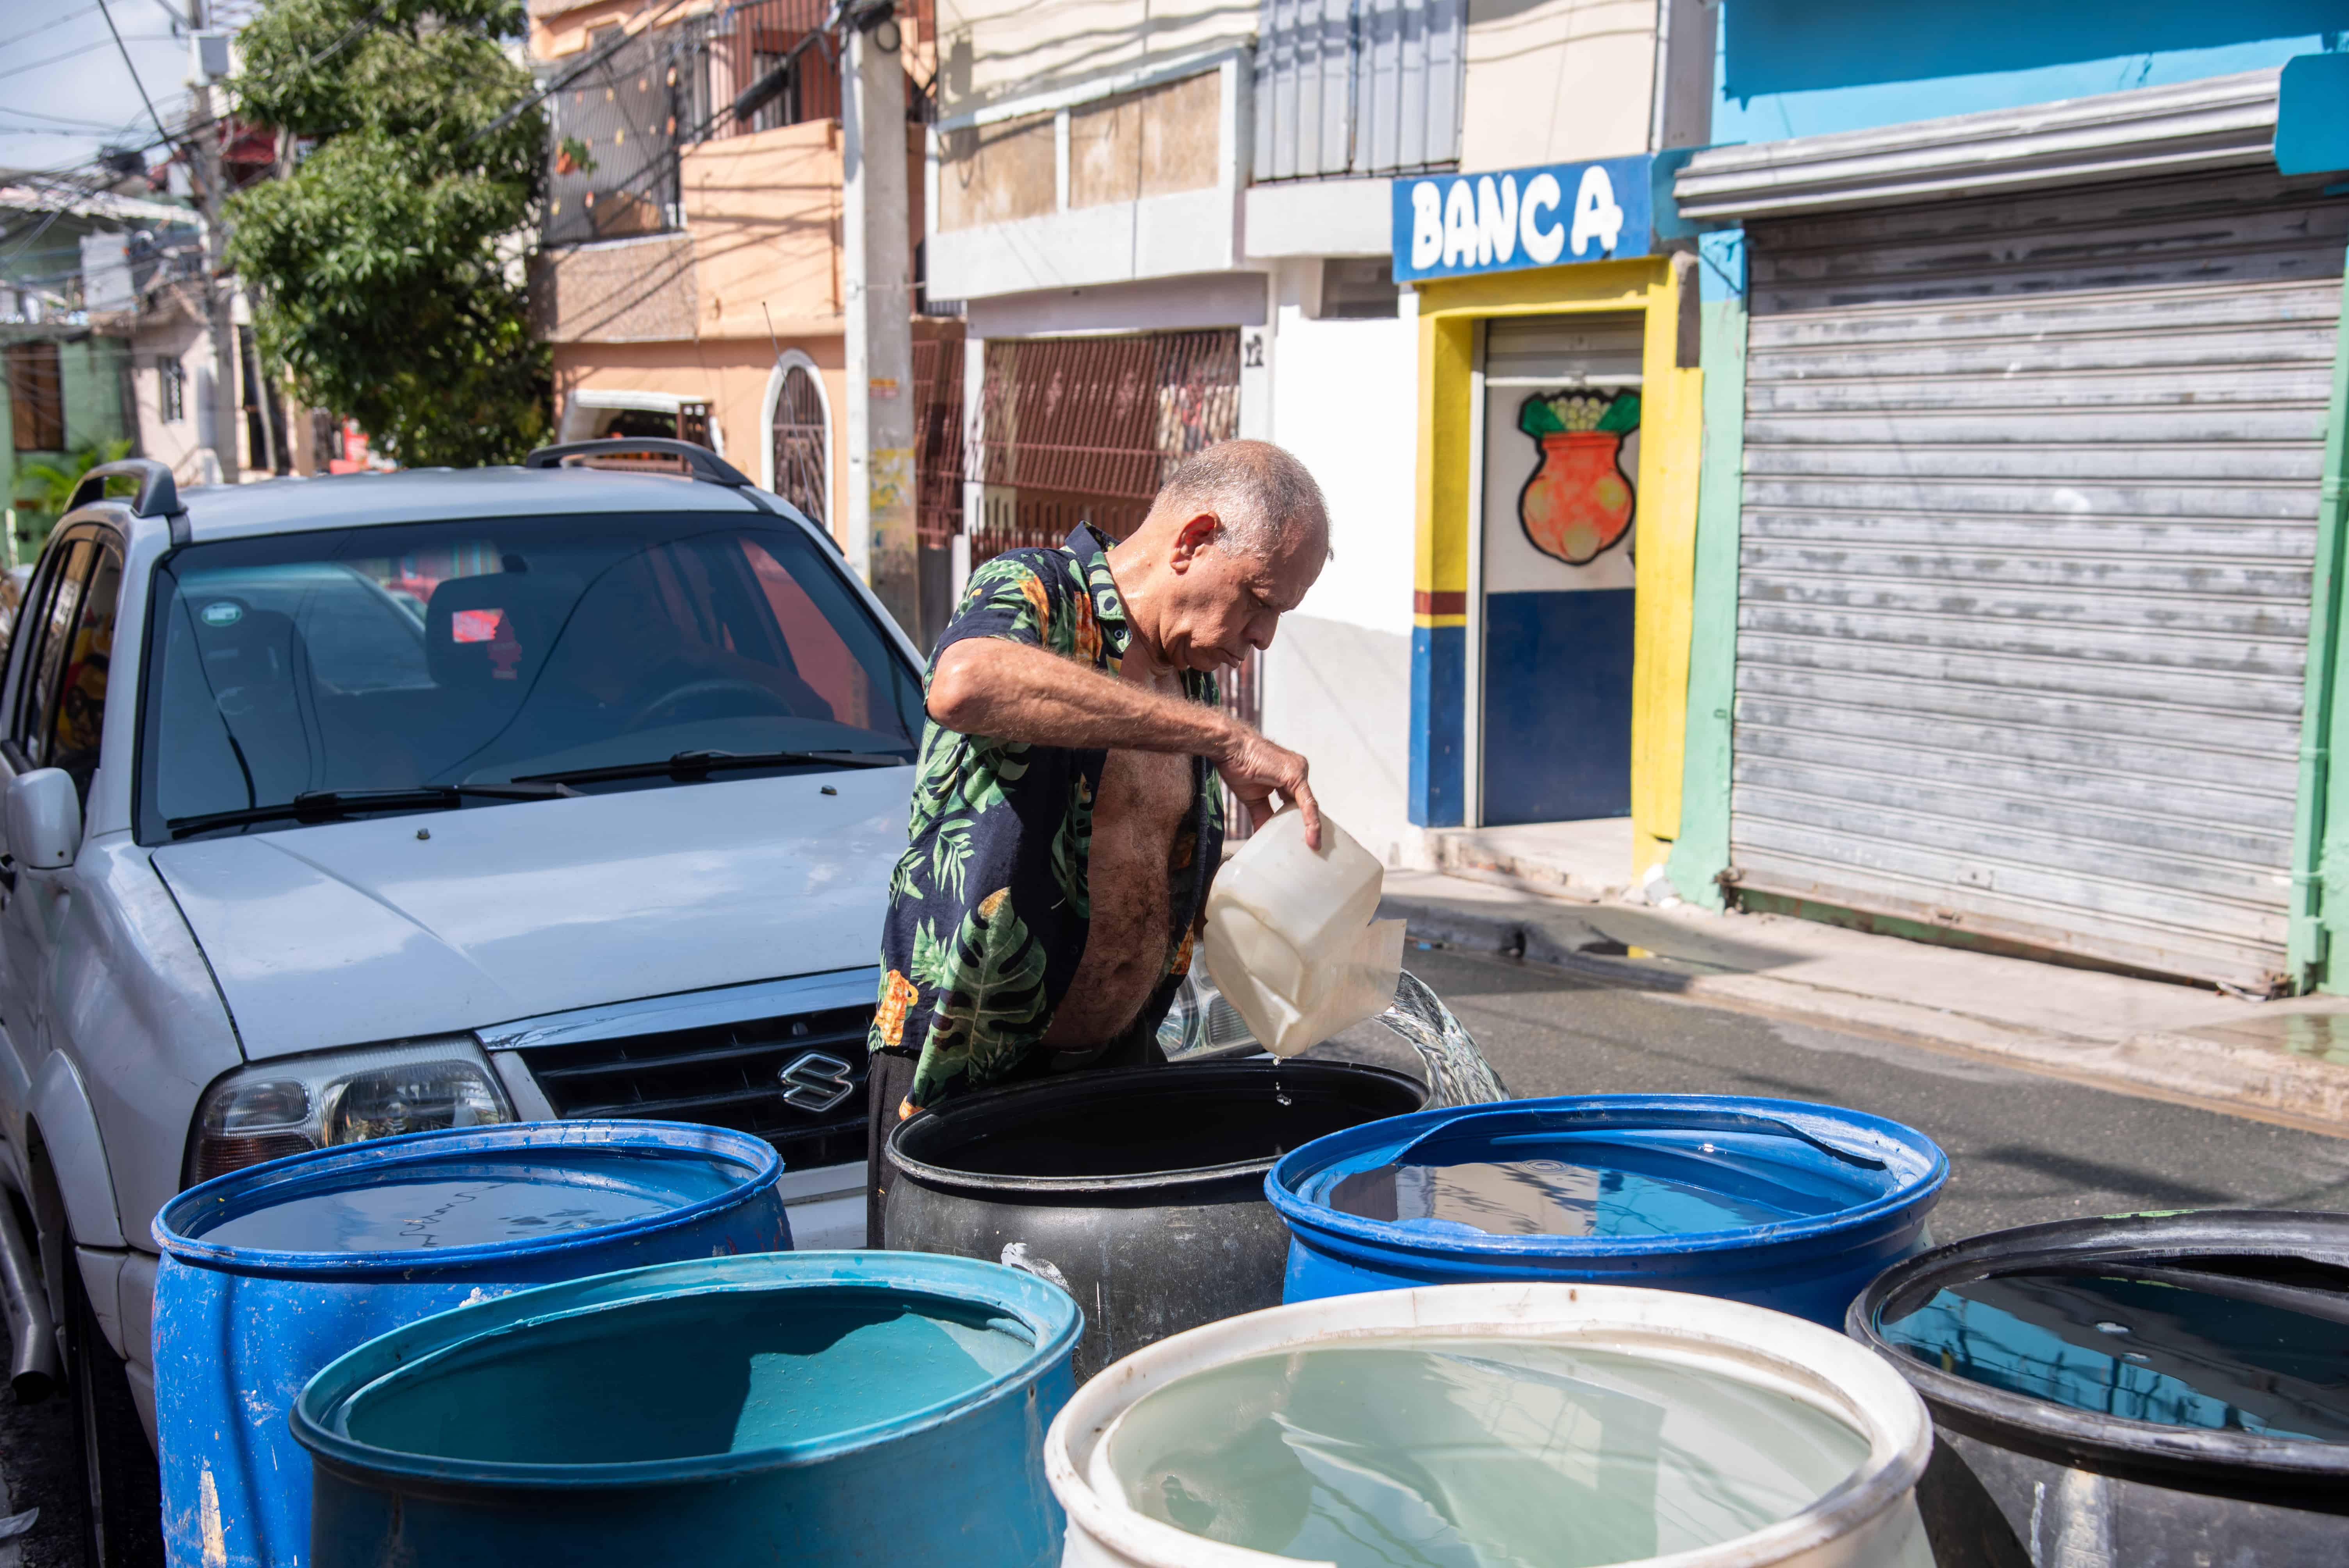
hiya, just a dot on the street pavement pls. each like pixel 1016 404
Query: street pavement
pixel 2024 1147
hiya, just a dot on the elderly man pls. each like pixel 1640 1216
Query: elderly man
pixel 1066 820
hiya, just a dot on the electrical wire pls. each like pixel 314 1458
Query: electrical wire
pixel 125 50
pixel 57 21
pixel 61 119
pixel 80 50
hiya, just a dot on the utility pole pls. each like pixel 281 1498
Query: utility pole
pixel 210 102
pixel 880 333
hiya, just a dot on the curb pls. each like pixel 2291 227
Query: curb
pixel 2262 1083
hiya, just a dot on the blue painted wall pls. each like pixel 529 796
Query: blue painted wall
pixel 1439 673
pixel 1557 706
pixel 1806 68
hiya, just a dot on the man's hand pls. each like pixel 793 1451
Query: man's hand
pixel 1255 767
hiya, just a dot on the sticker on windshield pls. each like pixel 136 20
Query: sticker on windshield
pixel 222 612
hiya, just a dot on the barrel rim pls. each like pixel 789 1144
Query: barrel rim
pixel 1049 1315
pixel 1886 1411
pixel 2183 1457
pixel 1313 1224
pixel 379 1157
pixel 1082 1085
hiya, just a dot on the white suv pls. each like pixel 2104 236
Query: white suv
pixel 343 808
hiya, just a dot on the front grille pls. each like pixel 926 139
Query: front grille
pixel 728 1075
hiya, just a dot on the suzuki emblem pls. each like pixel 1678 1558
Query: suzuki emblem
pixel 816 1082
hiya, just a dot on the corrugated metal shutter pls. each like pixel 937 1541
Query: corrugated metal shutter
pixel 1358 87
pixel 1561 350
pixel 2030 502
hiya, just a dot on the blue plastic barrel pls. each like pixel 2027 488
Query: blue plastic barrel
pixel 1778 1202
pixel 834 1408
pixel 269 1273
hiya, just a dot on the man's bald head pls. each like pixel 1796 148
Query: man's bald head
pixel 1235 540
pixel 1260 496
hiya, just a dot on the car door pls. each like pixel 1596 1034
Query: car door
pixel 48 635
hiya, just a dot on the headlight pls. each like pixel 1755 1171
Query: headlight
pixel 299 1103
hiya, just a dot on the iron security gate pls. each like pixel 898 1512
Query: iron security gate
pixel 2030 502
pixel 1085 430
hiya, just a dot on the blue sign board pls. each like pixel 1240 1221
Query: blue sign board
pixel 2311 133
pixel 1453 225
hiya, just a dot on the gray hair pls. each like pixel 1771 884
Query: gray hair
pixel 1257 490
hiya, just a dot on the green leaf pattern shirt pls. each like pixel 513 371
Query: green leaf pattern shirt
pixel 990 906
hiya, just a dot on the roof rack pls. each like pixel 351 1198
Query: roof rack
pixel 158 492
pixel 700 460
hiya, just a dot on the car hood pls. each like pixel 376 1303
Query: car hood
pixel 352 933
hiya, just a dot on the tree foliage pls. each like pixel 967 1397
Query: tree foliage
pixel 387 264
pixel 46 484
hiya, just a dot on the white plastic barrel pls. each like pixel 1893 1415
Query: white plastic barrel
pixel 1870 1520
pixel 1289 938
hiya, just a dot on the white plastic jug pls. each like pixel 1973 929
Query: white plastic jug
pixel 1289 938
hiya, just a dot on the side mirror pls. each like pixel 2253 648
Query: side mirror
pixel 43 819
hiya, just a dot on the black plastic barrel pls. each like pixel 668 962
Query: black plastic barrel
pixel 2017 1479
pixel 1139 1192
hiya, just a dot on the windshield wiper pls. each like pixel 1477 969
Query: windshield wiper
pixel 687 766
pixel 330 805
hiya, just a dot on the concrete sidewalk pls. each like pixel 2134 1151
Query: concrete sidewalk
pixel 2286 1061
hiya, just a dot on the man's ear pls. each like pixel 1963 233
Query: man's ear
pixel 1191 538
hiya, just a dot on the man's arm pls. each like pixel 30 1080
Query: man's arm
pixel 1010 691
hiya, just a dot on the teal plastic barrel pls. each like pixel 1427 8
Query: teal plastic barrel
pixel 271 1272
pixel 836 1408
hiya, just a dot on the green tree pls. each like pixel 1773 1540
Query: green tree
pixel 388 264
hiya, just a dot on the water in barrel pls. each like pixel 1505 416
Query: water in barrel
pixel 2177 1347
pixel 1462 1453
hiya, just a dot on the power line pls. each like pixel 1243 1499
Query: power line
pixel 61 119
pixel 57 21
pixel 124 49
pixel 84 50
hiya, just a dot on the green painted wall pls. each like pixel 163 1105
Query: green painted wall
pixel 91 370
pixel 2319 932
pixel 1701 852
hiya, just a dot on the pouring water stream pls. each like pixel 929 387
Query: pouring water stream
pixel 1201 1024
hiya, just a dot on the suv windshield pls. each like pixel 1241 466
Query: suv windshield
pixel 288 670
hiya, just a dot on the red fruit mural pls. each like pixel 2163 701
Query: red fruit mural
pixel 1578 500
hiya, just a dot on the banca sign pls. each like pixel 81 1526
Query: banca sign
pixel 1453 225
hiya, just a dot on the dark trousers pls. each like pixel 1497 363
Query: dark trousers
pixel 892 1077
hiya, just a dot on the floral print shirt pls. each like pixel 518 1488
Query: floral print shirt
pixel 989 907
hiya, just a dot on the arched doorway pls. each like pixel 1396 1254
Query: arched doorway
pixel 798 439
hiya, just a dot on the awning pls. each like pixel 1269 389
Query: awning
pixel 2214 123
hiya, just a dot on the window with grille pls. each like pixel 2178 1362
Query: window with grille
pixel 37 396
pixel 800 443
pixel 171 389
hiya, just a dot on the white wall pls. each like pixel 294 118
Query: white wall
pixel 1337 680
pixel 1554 80
pixel 991 51
pixel 184 443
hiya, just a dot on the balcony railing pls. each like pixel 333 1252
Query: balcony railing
pixel 1358 87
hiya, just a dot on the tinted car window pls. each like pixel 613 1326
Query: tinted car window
pixel 389 657
pixel 47 669
pixel 77 717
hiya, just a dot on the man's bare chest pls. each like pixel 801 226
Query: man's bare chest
pixel 1145 795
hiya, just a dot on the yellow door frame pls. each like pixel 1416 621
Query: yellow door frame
pixel 1671 445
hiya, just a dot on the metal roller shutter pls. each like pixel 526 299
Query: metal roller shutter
pixel 2030 502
